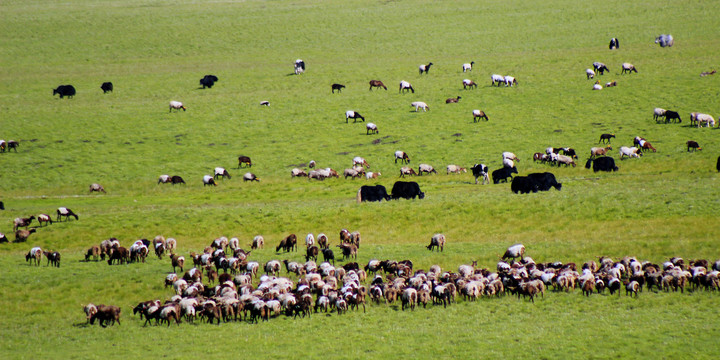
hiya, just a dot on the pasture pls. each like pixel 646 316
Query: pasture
pixel 661 205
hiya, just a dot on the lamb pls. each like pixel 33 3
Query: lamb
pixel 420 105
pixel 589 73
pixel 425 68
pixel 404 158
pixel 467 83
pixel 371 129
pixel 250 177
pixel 455 169
pixel 425 168
pixel 90 310
pixel 404 85
pixel 177 106
pixel 628 68
pixel 468 66
pixel 67 213
pixel 437 241
pixel 97 188
pixel 479 114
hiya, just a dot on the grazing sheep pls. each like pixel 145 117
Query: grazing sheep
pixel 479 114
pixel 177 106
pixel 455 169
pixel 105 314
pixel 452 100
pixel 177 262
pixel 701 119
pixel 377 83
pixel 658 113
pixel 404 85
pixel 244 160
pixel 409 298
pixel 631 152
pixel 52 258
pixel 208 81
pixel 97 187
pixel 673 115
pixel 589 73
pixel 371 129
pixel 468 66
pixel 250 177
pixel 258 242
pixel 67 213
pixel 264 103
pixel 221 173
pixel 497 79
pixel 508 163
pixel 467 83
pixel 299 67
pixel 93 252
pixel 480 170
pixel 665 40
pixel 22 222
pixel 510 156
pixel 298 172
pixel 692 145
pixel 90 310
pixel 632 288
pixel 514 252
pixel 600 68
pixel 425 68
pixel 352 173
pixel 606 138
pixel 360 161
pixel 425 168
pixel 34 256
pixel 438 242
pixel 706 73
pixel 44 218
pixel 372 175
pixel 597 86
pixel 337 87
pixel 510 81
pixel 599 151
pixel 350 114
pixel 628 68
pixel 208 180
pixel 106 87
pixel 567 160
pixel 404 158
pixel 420 105
pixel 4 239
pixel 611 84
pixel 64 90
pixel 614 44
pixel 177 180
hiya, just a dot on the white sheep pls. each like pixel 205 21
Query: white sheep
pixel 508 163
pixel 510 81
pixel 589 73
pixel 509 155
pixel 350 114
pixel 371 129
pixel 597 86
pixel 628 68
pixel 425 168
pixel 177 106
pixel 310 240
pixel 164 179
pixel 658 113
pixel 208 180
pixel 360 161
pixel 631 152
pixel 479 114
pixel 469 83
pixel 372 175
pixel 468 66
pixel 404 85
pixel 497 79
pixel 420 105
pixel 455 169
pixel 221 172
pixel 704 119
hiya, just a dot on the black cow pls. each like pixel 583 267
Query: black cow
pixel 406 190
pixel 372 193
pixel 545 181
pixel 604 163
pixel 672 115
pixel 106 86
pixel 64 90
pixel 614 43
pixel 503 174
pixel 523 185
pixel 208 81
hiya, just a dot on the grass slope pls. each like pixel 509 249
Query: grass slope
pixel 154 51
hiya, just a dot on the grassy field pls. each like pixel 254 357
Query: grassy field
pixel 661 205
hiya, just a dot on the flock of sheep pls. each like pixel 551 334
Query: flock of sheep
pixel 225 285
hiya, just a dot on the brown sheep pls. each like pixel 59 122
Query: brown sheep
pixel 93 251
pixel 105 314
pixel 22 235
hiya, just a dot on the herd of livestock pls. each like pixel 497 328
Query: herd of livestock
pixel 224 284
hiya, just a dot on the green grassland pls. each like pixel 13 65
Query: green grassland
pixel 661 205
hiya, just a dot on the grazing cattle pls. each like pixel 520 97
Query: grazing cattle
pixel 377 83
pixel 614 43
pixel 523 185
pixel 503 174
pixel 350 114
pixel 97 188
pixel 665 40
pixel 479 114
pixel 545 181
pixel 208 81
pixel 244 160
pixel 480 170
pixel 337 87
pixel 208 180
pixel 672 115
pixel 67 213
pixel 64 90
pixel 404 158
pixel 603 163
pixel 106 87
pixel 406 190
pixel 177 180
pixel 371 129
pixel 372 193
pixel 693 145
pixel 360 161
